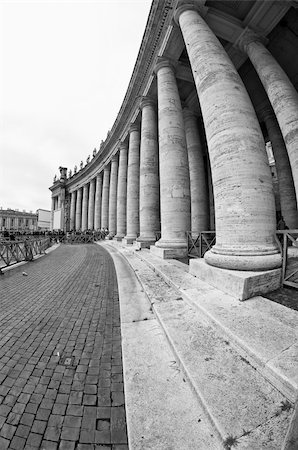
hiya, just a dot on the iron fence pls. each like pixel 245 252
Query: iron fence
pixel 12 252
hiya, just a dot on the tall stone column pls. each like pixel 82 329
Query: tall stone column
pixel 113 197
pixel 122 192
pixel 281 93
pixel 105 197
pixel 243 189
pixel 149 175
pixel 91 205
pixel 73 210
pixel 199 207
pixel 133 188
pixel 52 213
pixel 97 208
pixel 79 209
pixel 284 173
pixel 173 167
pixel 85 207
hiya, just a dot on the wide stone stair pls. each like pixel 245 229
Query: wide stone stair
pixel 239 358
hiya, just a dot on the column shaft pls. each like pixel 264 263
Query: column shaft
pixel 105 198
pixel 85 207
pixel 198 185
pixel 286 187
pixel 72 210
pixel 113 197
pixel 149 175
pixel 97 208
pixel 243 189
pixel 122 192
pixel 282 95
pixel 133 179
pixel 91 205
pixel 79 209
pixel 173 167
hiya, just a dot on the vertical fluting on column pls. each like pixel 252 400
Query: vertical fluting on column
pixel 243 189
pixel 286 186
pixel 199 207
pixel 97 207
pixel 105 198
pixel 91 205
pixel 113 197
pixel 85 207
pixel 73 210
pixel 133 185
pixel 122 192
pixel 281 93
pixel 149 175
pixel 173 167
pixel 79 209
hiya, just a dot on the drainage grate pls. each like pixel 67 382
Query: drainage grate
pixel 67 360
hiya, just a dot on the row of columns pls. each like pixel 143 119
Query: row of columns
pixel 160 177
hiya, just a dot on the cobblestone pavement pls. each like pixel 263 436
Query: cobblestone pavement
pixel 61 380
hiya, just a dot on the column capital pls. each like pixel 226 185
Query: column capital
pixel 147 101
pixel 107 168
pixel 265 112
pixel 189 6
pixel 114 158
pixel 247 37
pixel 133 127
pixel 163 62
pixel 122 146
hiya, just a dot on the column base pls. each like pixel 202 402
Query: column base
pixel 144 243
pixel 169 253
pixel 250 262
pixel 237 283
pixel 128 240
pixel 118 238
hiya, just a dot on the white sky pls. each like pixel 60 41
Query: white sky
pixel 65 66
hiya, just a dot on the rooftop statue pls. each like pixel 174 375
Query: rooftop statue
pixel 81 165
pixel 94 152
pixel 88 159
pixel 75 169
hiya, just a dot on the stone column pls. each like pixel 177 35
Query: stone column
pixel 122 192
pixel 79 209
pixel 91 205
pixel 85 207
pixel 281 93
pixel 286 187
pixel 105 197
pixel 97 208
pixel 199 207
pixel 73 210
pixel 173 167
pixel 113 197
pixel 133 180
pixel 243 189
pixel 52 213
pixel 149 175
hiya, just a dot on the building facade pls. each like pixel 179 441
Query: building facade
pixel 15 220
pixel 214 81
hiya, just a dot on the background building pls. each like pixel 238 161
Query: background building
pixel 15 220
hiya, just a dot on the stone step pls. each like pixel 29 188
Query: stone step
pixel 263 332
pixel 243 406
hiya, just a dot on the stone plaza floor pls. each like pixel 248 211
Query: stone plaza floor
pixel 61 375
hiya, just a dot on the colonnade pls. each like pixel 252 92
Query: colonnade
pixel 157 180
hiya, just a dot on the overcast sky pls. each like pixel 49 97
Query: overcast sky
pixel 65 66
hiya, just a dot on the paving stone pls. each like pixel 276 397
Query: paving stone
pixel 34 440
pixel 17 443
pixel 48 404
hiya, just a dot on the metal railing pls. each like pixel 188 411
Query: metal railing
pixel 12 252
pixel 82 238
pixel 199 243
pixel 289 250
